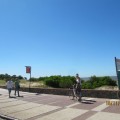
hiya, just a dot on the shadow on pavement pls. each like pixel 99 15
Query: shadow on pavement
pixel 15 96
pixel 12 97
pixel 20 96
pixel 90 100
pixel 38 93
pixel 84 101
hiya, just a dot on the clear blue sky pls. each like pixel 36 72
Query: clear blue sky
pixel 59 37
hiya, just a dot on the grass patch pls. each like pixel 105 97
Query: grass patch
pixel 25 83
pixel 2 82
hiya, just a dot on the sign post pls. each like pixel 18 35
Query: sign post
pixel 28 70
pixel 117 64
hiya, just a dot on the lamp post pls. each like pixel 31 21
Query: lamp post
pixel 28 70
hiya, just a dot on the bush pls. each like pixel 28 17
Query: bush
pixel 108 81
pixel 95 82
pixel 68 81
pixel 65 83
pixel 34 79
pixel 53 81
pixel 60 81
pixel 86 85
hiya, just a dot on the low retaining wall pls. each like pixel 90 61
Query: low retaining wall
pixel 112 94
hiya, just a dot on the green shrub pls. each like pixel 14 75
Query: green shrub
pixel 34 79
pixel 108 81
pixel 86 85
pixel 95 82
pixel 65 83
pixel 53 81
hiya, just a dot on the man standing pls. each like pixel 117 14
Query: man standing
pixel 78 86
pixel 9 86
pixel 17 87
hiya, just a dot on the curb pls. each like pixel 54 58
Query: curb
pixel 7 117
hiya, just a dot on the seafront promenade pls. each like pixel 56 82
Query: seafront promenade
pixel 33 106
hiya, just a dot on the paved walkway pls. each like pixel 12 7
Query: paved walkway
pixel 34 106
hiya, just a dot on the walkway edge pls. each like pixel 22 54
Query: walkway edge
pixel 7 117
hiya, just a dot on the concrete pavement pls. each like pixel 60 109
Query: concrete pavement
pixel 33 106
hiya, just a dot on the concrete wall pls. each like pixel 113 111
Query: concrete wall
pixel 85 92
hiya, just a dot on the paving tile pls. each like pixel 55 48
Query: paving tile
pixel 100 107
pixel 112 109
pixel 19 107
pixel 33 112
pixel 8 104
pixel 85 115
pixel 104 116
pixel 7 100
pixel 88 104
pixel 65 114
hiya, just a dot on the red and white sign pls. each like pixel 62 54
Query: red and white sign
pixel 28 69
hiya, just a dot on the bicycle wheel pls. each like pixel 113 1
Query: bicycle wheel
pixel 70 93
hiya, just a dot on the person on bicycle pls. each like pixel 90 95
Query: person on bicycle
pixel 78 86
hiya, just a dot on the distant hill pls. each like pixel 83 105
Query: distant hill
pixel 85 78
pixel 113 78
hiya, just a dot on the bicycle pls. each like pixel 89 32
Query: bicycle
pixel 75 92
